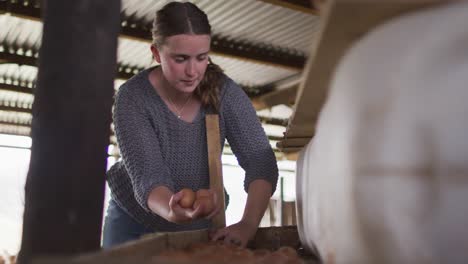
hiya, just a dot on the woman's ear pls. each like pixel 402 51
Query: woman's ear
pixel 156 54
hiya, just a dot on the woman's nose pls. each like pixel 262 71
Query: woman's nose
pixel 190 68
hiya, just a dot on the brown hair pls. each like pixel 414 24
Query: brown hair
pixel 177 18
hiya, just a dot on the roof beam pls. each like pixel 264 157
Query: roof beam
pixel 280 92
pixel 123 73
pixel 11 56
pixel 116 151
pixel 286 96
pixel 273 121
pixel 222 46
pixel 304 6
pixel 28 125
pixel 7 57
pixel 15 109
pixel 113 141
pixel 15 88
pixel 21 8
pixel 5 123
pixel 264 120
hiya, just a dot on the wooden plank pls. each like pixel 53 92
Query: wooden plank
pixel 284 96
pixel 214 162
pixel 340 29
pixel 291 150
pixel 145 250
pixel 152 244
pixel 140 251
pixel 180 240
pixel 289 213
pixel 293 142
pixel 65 184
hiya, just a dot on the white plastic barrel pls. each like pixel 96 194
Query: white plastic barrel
pixel 385 179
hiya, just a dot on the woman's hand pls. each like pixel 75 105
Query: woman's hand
pixel 178 214
pixel 237 234
pixel 257 200
pixel 211 209
pixel 166 204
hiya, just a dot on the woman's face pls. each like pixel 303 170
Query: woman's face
pixel 183 60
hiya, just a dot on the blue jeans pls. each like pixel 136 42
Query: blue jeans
pixel 119 227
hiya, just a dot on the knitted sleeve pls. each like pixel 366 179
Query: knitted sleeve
pixel 139 147
pixel 246 137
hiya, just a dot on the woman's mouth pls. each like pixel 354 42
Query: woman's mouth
pixel 188 82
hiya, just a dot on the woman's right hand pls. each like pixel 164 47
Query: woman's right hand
pixel 178 214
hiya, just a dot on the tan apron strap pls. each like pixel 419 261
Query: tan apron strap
pixel 214 162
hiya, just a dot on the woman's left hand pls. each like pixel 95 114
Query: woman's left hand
pixel 237 234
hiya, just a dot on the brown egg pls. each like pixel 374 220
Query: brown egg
pixel 188 197
pixel 206 202
pixel 203 193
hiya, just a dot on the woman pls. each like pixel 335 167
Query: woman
pixel 159 123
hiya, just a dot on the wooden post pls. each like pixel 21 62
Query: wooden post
pixel 64 192
pixel 214 162
pixel 281 215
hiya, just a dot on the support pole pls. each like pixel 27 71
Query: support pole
pixel 70 128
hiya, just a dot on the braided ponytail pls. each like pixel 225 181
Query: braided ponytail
pixel 208 89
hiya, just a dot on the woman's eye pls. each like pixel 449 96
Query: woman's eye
pixel 179 59
pixel 202 58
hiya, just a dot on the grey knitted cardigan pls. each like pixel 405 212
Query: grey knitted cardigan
pixel 158 149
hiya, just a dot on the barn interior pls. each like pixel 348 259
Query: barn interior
pixel 285 55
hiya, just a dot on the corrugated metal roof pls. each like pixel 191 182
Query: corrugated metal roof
pixel 249 20
pixel 15 74
pixel 246 21
pixel 137 53
pixel 17 32
pixel 134 53
pixel 15 130
pixel 14 99
pixel 15 117
pixel 251 73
